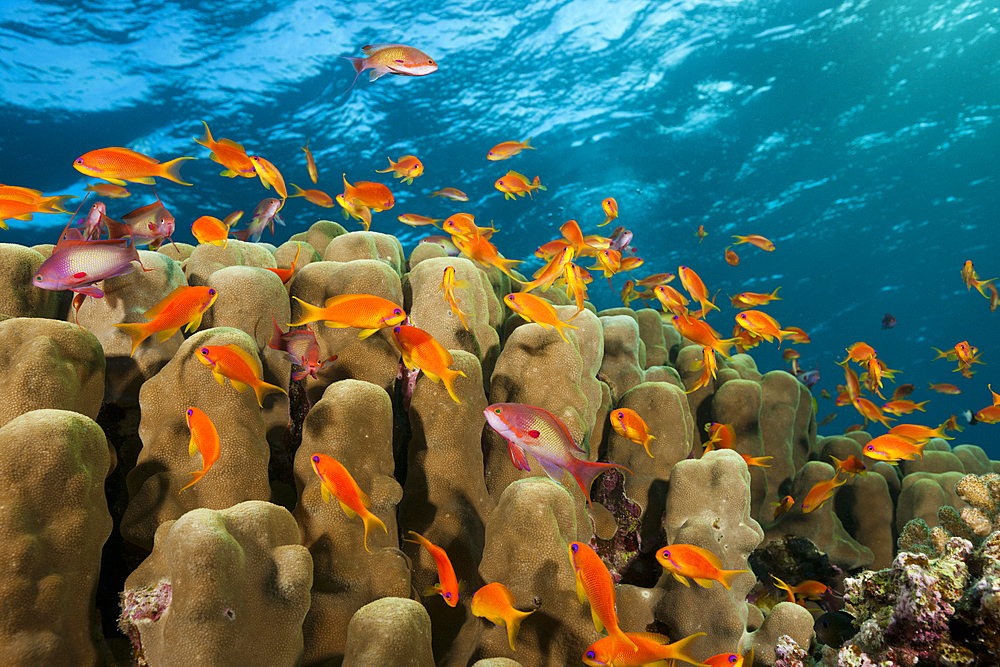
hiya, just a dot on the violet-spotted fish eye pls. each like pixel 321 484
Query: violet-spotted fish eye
pixel 574 547
pixel 733 658
pixel 447 596
pixel 204 351
pixel 211 292
pixel 315 459
pixel 591 655
pixel 190 411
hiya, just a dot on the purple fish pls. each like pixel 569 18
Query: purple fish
pixel 96 220
pixel 76 264
pixel 620 238
pixel 300 348
pixel 443 241
pixel 264 216
pixel 808 378
pixel 150 225
pixel 538 432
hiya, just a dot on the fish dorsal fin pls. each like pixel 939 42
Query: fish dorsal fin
pixel 341 299
pixel 231 144
pixel 166 301
pixel 369 49
pixel 247 358
pixel 707 555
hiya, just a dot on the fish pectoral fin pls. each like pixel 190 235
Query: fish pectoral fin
pixel 89 290
pixel 517 457
pixel 597 620
pixel 238 386
pixel 219 377
pixel 681 579
pixel 365 333
pixel 581 595
pixel 325 492
pixel 192 447
pixel 433 590
pixel 347 510
pixel 704 583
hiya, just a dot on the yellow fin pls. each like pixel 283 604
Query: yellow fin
pixel 192 447
pixel 238 386
pixel 597 620
pixel 681 579
pixel 325 492
pixel 347 510
pixel 365 333
pixel 704 583
pixel 580 594
pixel 166 333
pixel 247 358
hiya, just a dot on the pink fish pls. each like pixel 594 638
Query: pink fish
pixel 538 432
pixel 264 216
pixel 76 264
pixel 96 220
pixel 300 348
pixel 392 59
pixel 150 225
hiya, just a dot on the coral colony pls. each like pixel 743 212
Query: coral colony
pixel 359 458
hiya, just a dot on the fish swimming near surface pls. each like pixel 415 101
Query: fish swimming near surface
pixel 407 168
pixel 184 306
pixel 372 195
pixel 229 154
pixel 888 321
pixel 508 149
pixel 385 59
pixel 610 206
pixel 532 430
pixel 453 194
pixel 311 164
pixel 317 197
pixel 204 440
pixel 495 603
pixel 270 176
pixel 336 482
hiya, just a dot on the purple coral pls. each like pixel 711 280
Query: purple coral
pixel 142 604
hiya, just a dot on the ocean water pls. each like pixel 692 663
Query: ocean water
pixel 861 137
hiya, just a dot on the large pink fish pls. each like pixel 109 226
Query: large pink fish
pixel 264 216
pixel 151 224
pixel 300 348
pixel 392 59
pixel 76 264
pixel 538 432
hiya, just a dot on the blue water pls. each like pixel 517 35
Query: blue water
pixel 861 137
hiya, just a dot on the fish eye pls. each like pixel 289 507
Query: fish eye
pixel 211 292
pixel 665 553
pixel 447 596
pixel 574 547
pixel 190 411
pixel 397 312
pixel 869 448
pixel 733 659
pixel 79 160
pixel 316 458
pixel 496 410
pixel 203 350
pixel 38 278
pixel 591 655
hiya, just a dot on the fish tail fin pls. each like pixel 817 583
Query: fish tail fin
pixel 527 145
pixel 206 138
pixel 137 332
pixel 370 520
pixel 621 638
pixel 681 650
pixel 513 624
pixel 310 313
pixel 538 185
pixel 262 389
pixel 448 378
pixel 198 474
pixel 359 66
pixel 585 472
pixel 728 576
pixel 172 170
pixel 276 342
pixel 564 325
pixel 300 193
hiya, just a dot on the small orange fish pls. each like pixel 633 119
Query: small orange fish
pixel 671 300
pixel 576 278
pixel 229 154
pixel 414 220
pixel 121 165
pixel 286 274
pixel 385 59
pixel 464 225
pixel 652 649
pixel 108 190
pixel 696 288
pixel 759 241
pixel 448 284
pixel 311 164
pixel 903 407
pixel 902 391
pixel 701 565
pixel 699 331
pixel 420 350
pixel 336 482
pixel 479 249
pixel 629 425
pixel 729 660
pixel 796 335
pixel 270 177
pixel 356 211
pixel 783 506
pixel 852 465
pixel 362 311
pixel 375 196
pixel 760 324
pixel 447 586
pixel 507 149
pixel 988 415
pixel 701 233
pixel 731 257
pixel 610 207
pixel 808 589
pixel 407 168
pixel 183 306
pixel 972 280
pixel 549 273
pixel 720 436
pixel 453 194
pixel 893 448
pixel 750 299
pixel 495 603
pixel 870 411
pixel 915 432
pixel 243 369
pixel 317 197
pixel 594 585
pixel 536 309
pixel 204 440
pixel 210 230
pixel 514 185
pixel 945 388
pixel 820 493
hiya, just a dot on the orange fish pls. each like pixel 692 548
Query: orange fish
pixel 536 309
pixel 108 190
pixel 903 407
pixel 972 280
pixel 759 241
pixel 988 415
pixel 576 278
pixel 356 211
pixel 549 273
pixel 286 274
pixel 336 482
pixel 495 603
pixel 651 649
pixel 701 565
pixel 851 465
pixel 671 300
pixel 317 197
pixel 514 185
pixel 749 299
pixel 701 233
pixel 759 323
pixel 204 439
pixel 994 297
pixel 820 493
pixel 783 506
pixel 242 368
pixel 720 436
pixel 270 177
pixel 731 257
pixel 447 586
pixel 375 196
pixel 808 589
pixel 209 230
pixel 945 388
pixel 362 311
pixel 915 432
pixel 729 660
pixel 421 350
pixel 629 425
pixel 698 331
pixel 761 461
pixel 507 149
pixel 385 59
pixel 311 164
pixel 183 306
pixel 453 194
pixel 448 284
pixel 464 225
pixel 229 154
pixel 696 288
pixel 24 210
pixel 870 411
pixel 796 335
pixel 414 220
pixel 408 168
pixel 477 248
pixel 610 207
pixel 902 391
pixel 594 585
pixel 121 165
